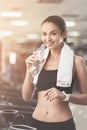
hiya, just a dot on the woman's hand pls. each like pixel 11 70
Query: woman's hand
pixel 53 93
pixel 31 59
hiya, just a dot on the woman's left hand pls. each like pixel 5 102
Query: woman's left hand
pixel 53 93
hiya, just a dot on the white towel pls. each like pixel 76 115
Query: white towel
pixel 64 75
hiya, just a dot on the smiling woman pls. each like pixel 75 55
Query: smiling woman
pixel 54 81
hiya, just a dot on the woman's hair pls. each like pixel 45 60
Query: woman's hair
pixel 58 21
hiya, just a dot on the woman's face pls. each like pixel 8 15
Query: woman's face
pixel 51 35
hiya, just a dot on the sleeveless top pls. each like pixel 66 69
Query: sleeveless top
pixel 47 79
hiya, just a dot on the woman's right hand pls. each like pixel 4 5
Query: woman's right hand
pixel 31 59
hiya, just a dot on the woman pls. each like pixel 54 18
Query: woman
pixel 52 110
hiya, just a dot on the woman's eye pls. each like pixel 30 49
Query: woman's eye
pixel 43 34
pixel 53 33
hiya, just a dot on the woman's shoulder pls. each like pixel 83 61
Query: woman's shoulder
pixel 78 59
pixel 79 63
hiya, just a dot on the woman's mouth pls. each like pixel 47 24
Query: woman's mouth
pixel 49 43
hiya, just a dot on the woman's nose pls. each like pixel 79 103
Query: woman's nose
pixel 48 38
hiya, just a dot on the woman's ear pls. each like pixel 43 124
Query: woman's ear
pixel 64 34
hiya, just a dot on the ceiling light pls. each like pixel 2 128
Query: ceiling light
pixel 70 23
pixel 19 23
pixel 5 33
pixel 74 33
pixel 32 36
pixel 12 58
pixel 11 14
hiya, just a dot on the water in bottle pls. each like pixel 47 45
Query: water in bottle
pixel 34 69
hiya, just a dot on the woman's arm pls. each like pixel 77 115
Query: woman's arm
pixel 81 75
pixel 28 87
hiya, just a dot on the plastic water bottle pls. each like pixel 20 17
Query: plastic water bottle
pixel 34 69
